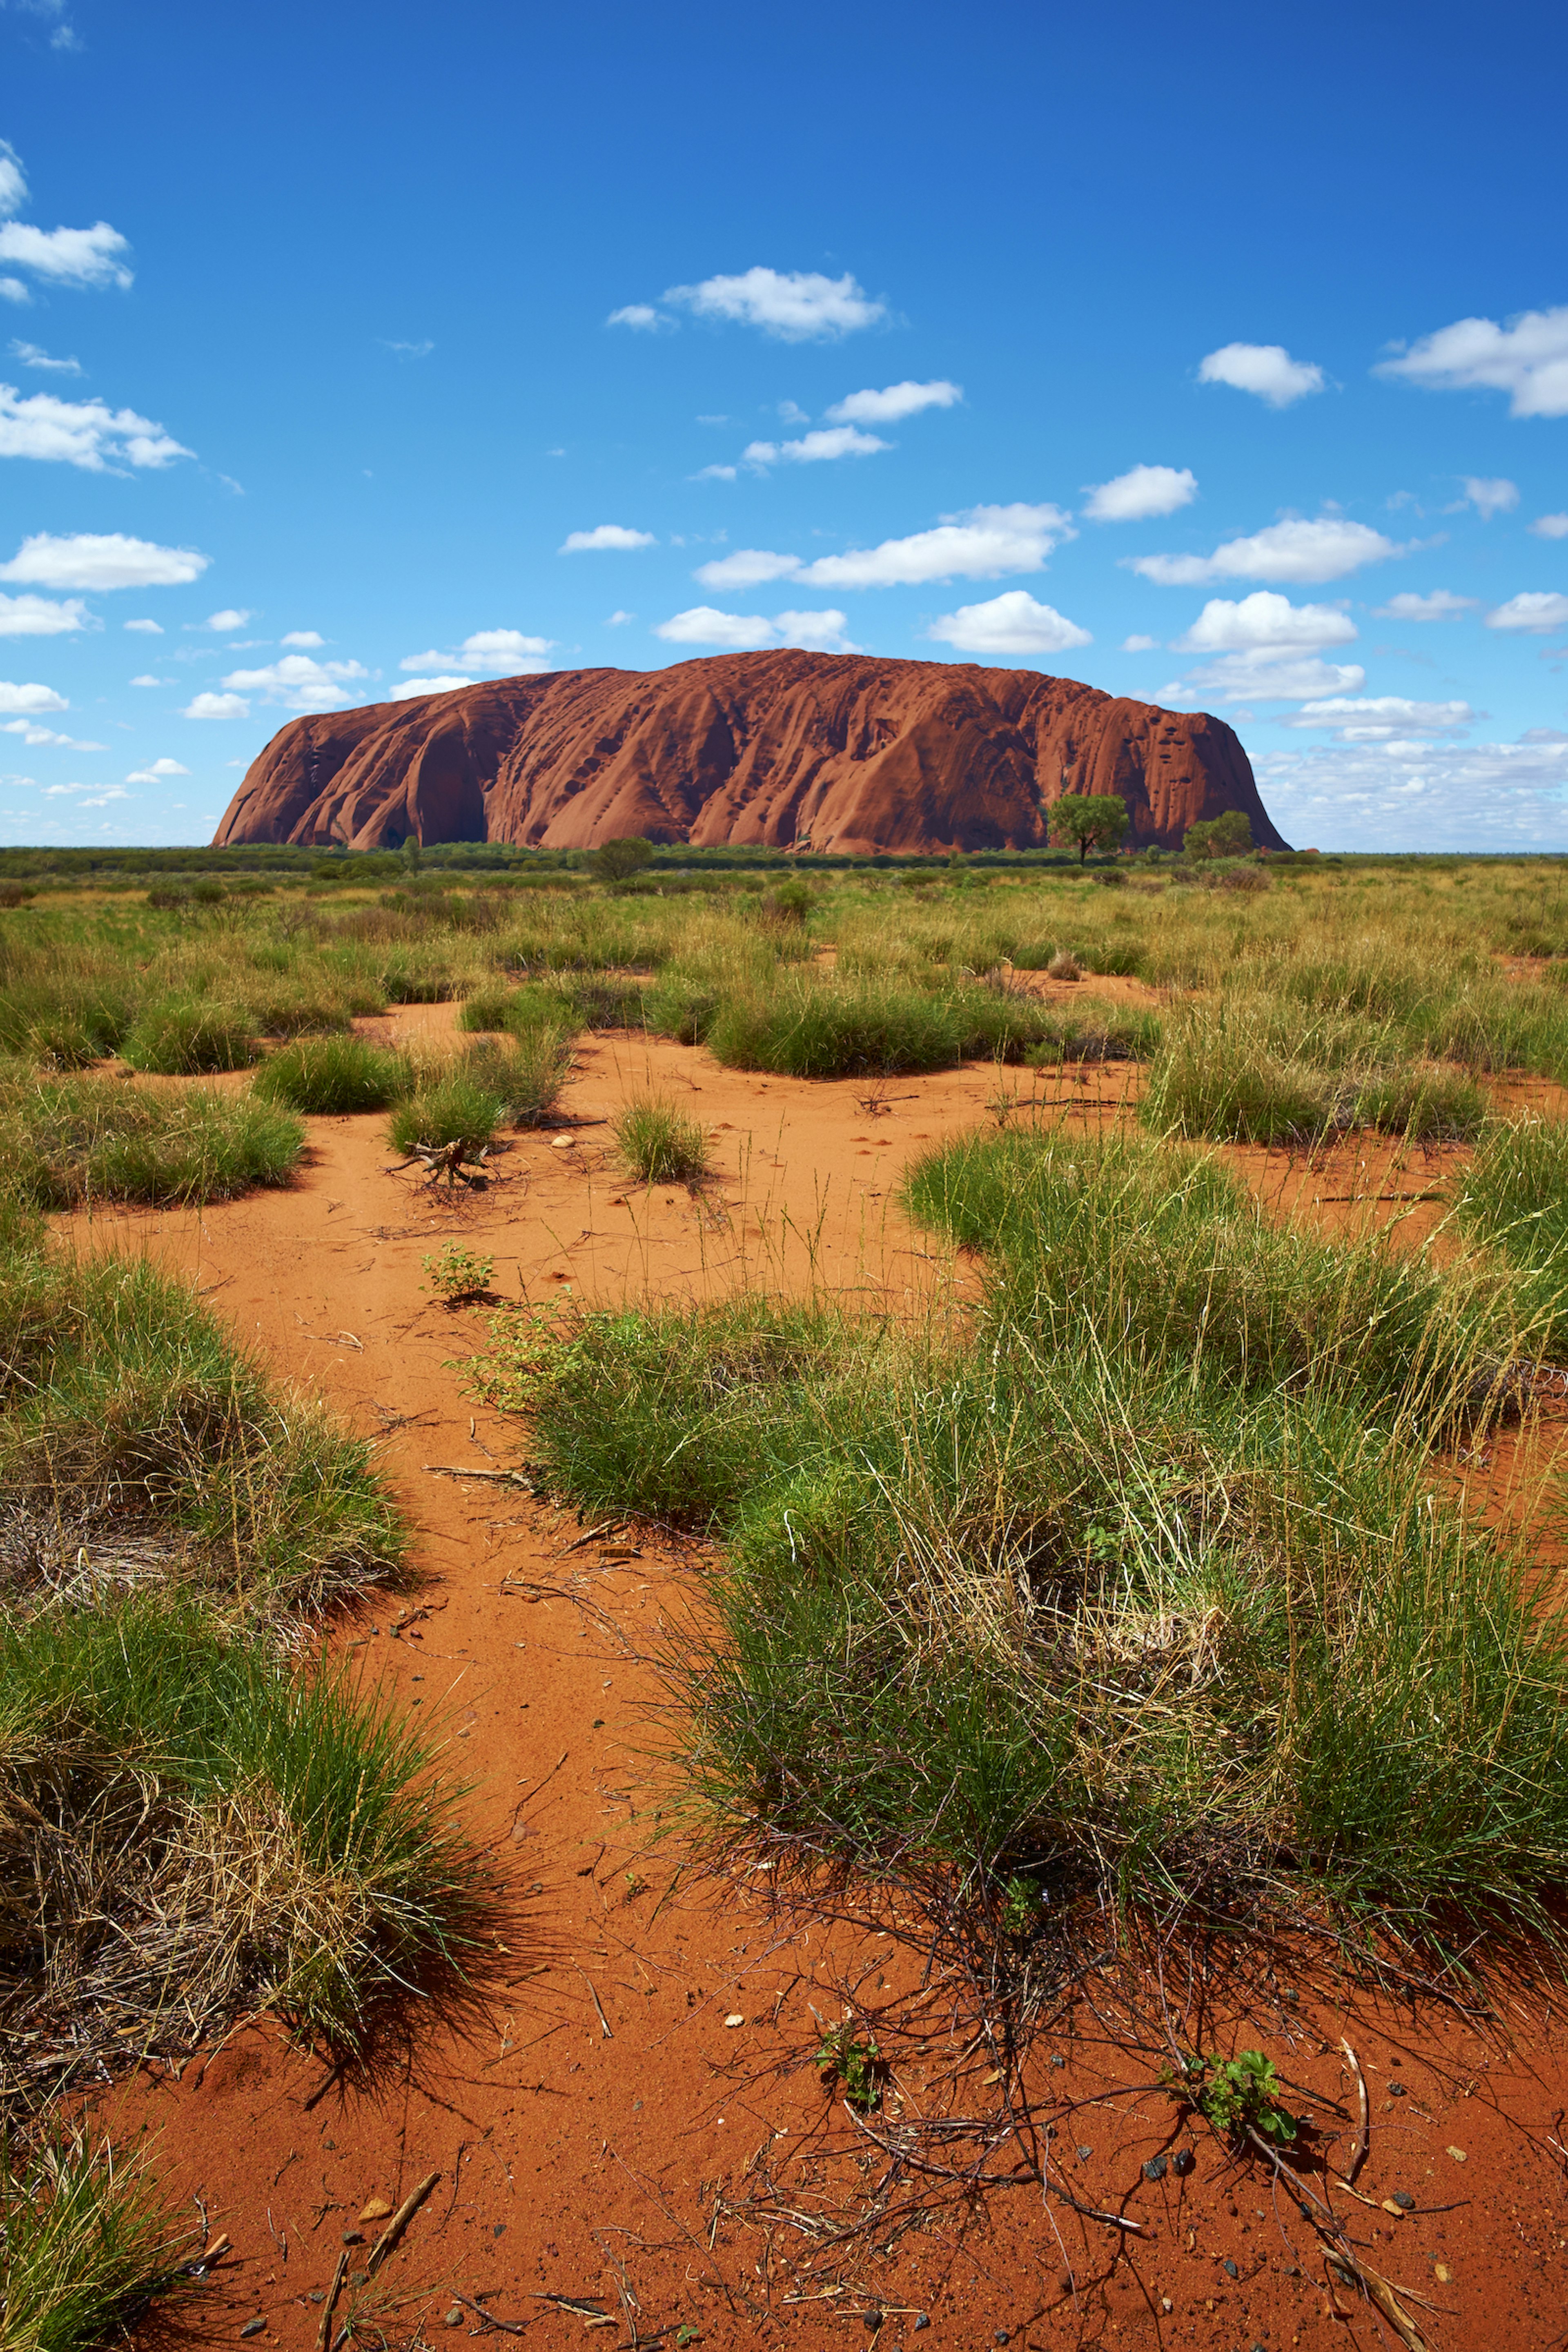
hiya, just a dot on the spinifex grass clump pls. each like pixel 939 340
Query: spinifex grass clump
pixel 333 1073
pixel 191 1822
pixel 88 2245
pixel 861 1026
pixel 127 1419
pixel 68 1139
pixel 181 1038
pixel 495 1082
pixel 65 1022
pixel 659 1145
pixel 1166 1249
pixel 1039 1611
pixel 1514 1199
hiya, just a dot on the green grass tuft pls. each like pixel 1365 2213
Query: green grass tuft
pixel 68 1139
pixel 659 1145
pixel 181 1038
pixel 334 1075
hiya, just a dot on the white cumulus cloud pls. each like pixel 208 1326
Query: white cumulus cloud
pixel 1267 619
pixel 702 624
pixel 619 618
pixel 748 567
pixel 1552 526
pixel 143 628
pixel 1442 604
pixel 83 432
pixel 308 640
pixel 71 257
pixel 209 705
pixel 507 650
pixel 295 680
pixel 29 700
pixel 1139 644
pixel 102 560
pixel 230 618
pixel 1422 795
pixel 1294 552
pixel 793 305
pixel 1496 495
pixel 35 617
pixel 1266 369
pixel 893 403
pixel 1267 675
pixel 1011 623
pixel 816 632
pixel 1528 359
pixel 147 678
pixel 981 544
pixel 814 448
pixel 31 355
pixel 155 772
pixel 1537 609
pixel 641 316
pixel 714 474
pixel 604 535
pixel 33 733
pixel 428 685
pixel 1381 718
pixel 1143 491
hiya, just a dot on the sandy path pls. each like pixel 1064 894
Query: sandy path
pixel 589 2116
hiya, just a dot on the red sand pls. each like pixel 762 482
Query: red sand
pixel 641 2064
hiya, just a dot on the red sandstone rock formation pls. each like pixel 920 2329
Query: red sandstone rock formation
pixel 825 751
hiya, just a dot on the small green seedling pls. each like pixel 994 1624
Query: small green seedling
pixel 1236 2096
pixel 1022 1904
pixel 686 2334
pixel 843 2056
pixel 457 1275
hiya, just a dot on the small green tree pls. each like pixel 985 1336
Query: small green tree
pixel 617 861
pixel 1092 820
pixel 1226 835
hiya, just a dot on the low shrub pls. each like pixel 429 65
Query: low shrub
pixel 824 1029
pixel 455 1109
pixel 68 1139
pixel 334 1075
pixel 180 1037
pixel 658 1145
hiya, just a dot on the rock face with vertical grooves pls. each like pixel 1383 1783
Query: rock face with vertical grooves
pixel 830 751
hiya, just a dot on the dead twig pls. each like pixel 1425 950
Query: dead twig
pixel 399 2222
pixel 324 2332
pixel 1358 2153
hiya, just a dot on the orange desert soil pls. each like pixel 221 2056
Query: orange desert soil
pixel 631 2132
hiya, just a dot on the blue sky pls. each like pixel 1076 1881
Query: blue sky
pixel 1218 357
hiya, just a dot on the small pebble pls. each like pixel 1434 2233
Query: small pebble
pixel 1002 2336
pixel 922 2320
pixel 1155 2168
pixel 1403 2199
pixel 253 2327
pixel 1397 2090
pixel 354 2237
pixel 455 2316
pixel 871 2321
pixel 1165 2303
pixel 1184 2160
pixel 1057 2059
pixel 1084 2154
pixel 1229 2268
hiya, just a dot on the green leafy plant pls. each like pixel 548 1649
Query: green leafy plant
pixel 457 1275
pixel 854 2061
pixel 1238 2095
pixel 1022 1905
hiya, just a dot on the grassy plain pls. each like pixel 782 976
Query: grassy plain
pixel 1143 1587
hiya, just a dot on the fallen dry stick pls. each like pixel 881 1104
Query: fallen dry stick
pixel 460 1470
pixel 323 2333
pixel 1358 2153
pixel 399 2222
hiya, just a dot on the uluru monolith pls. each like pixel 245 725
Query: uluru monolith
pixel 786 750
